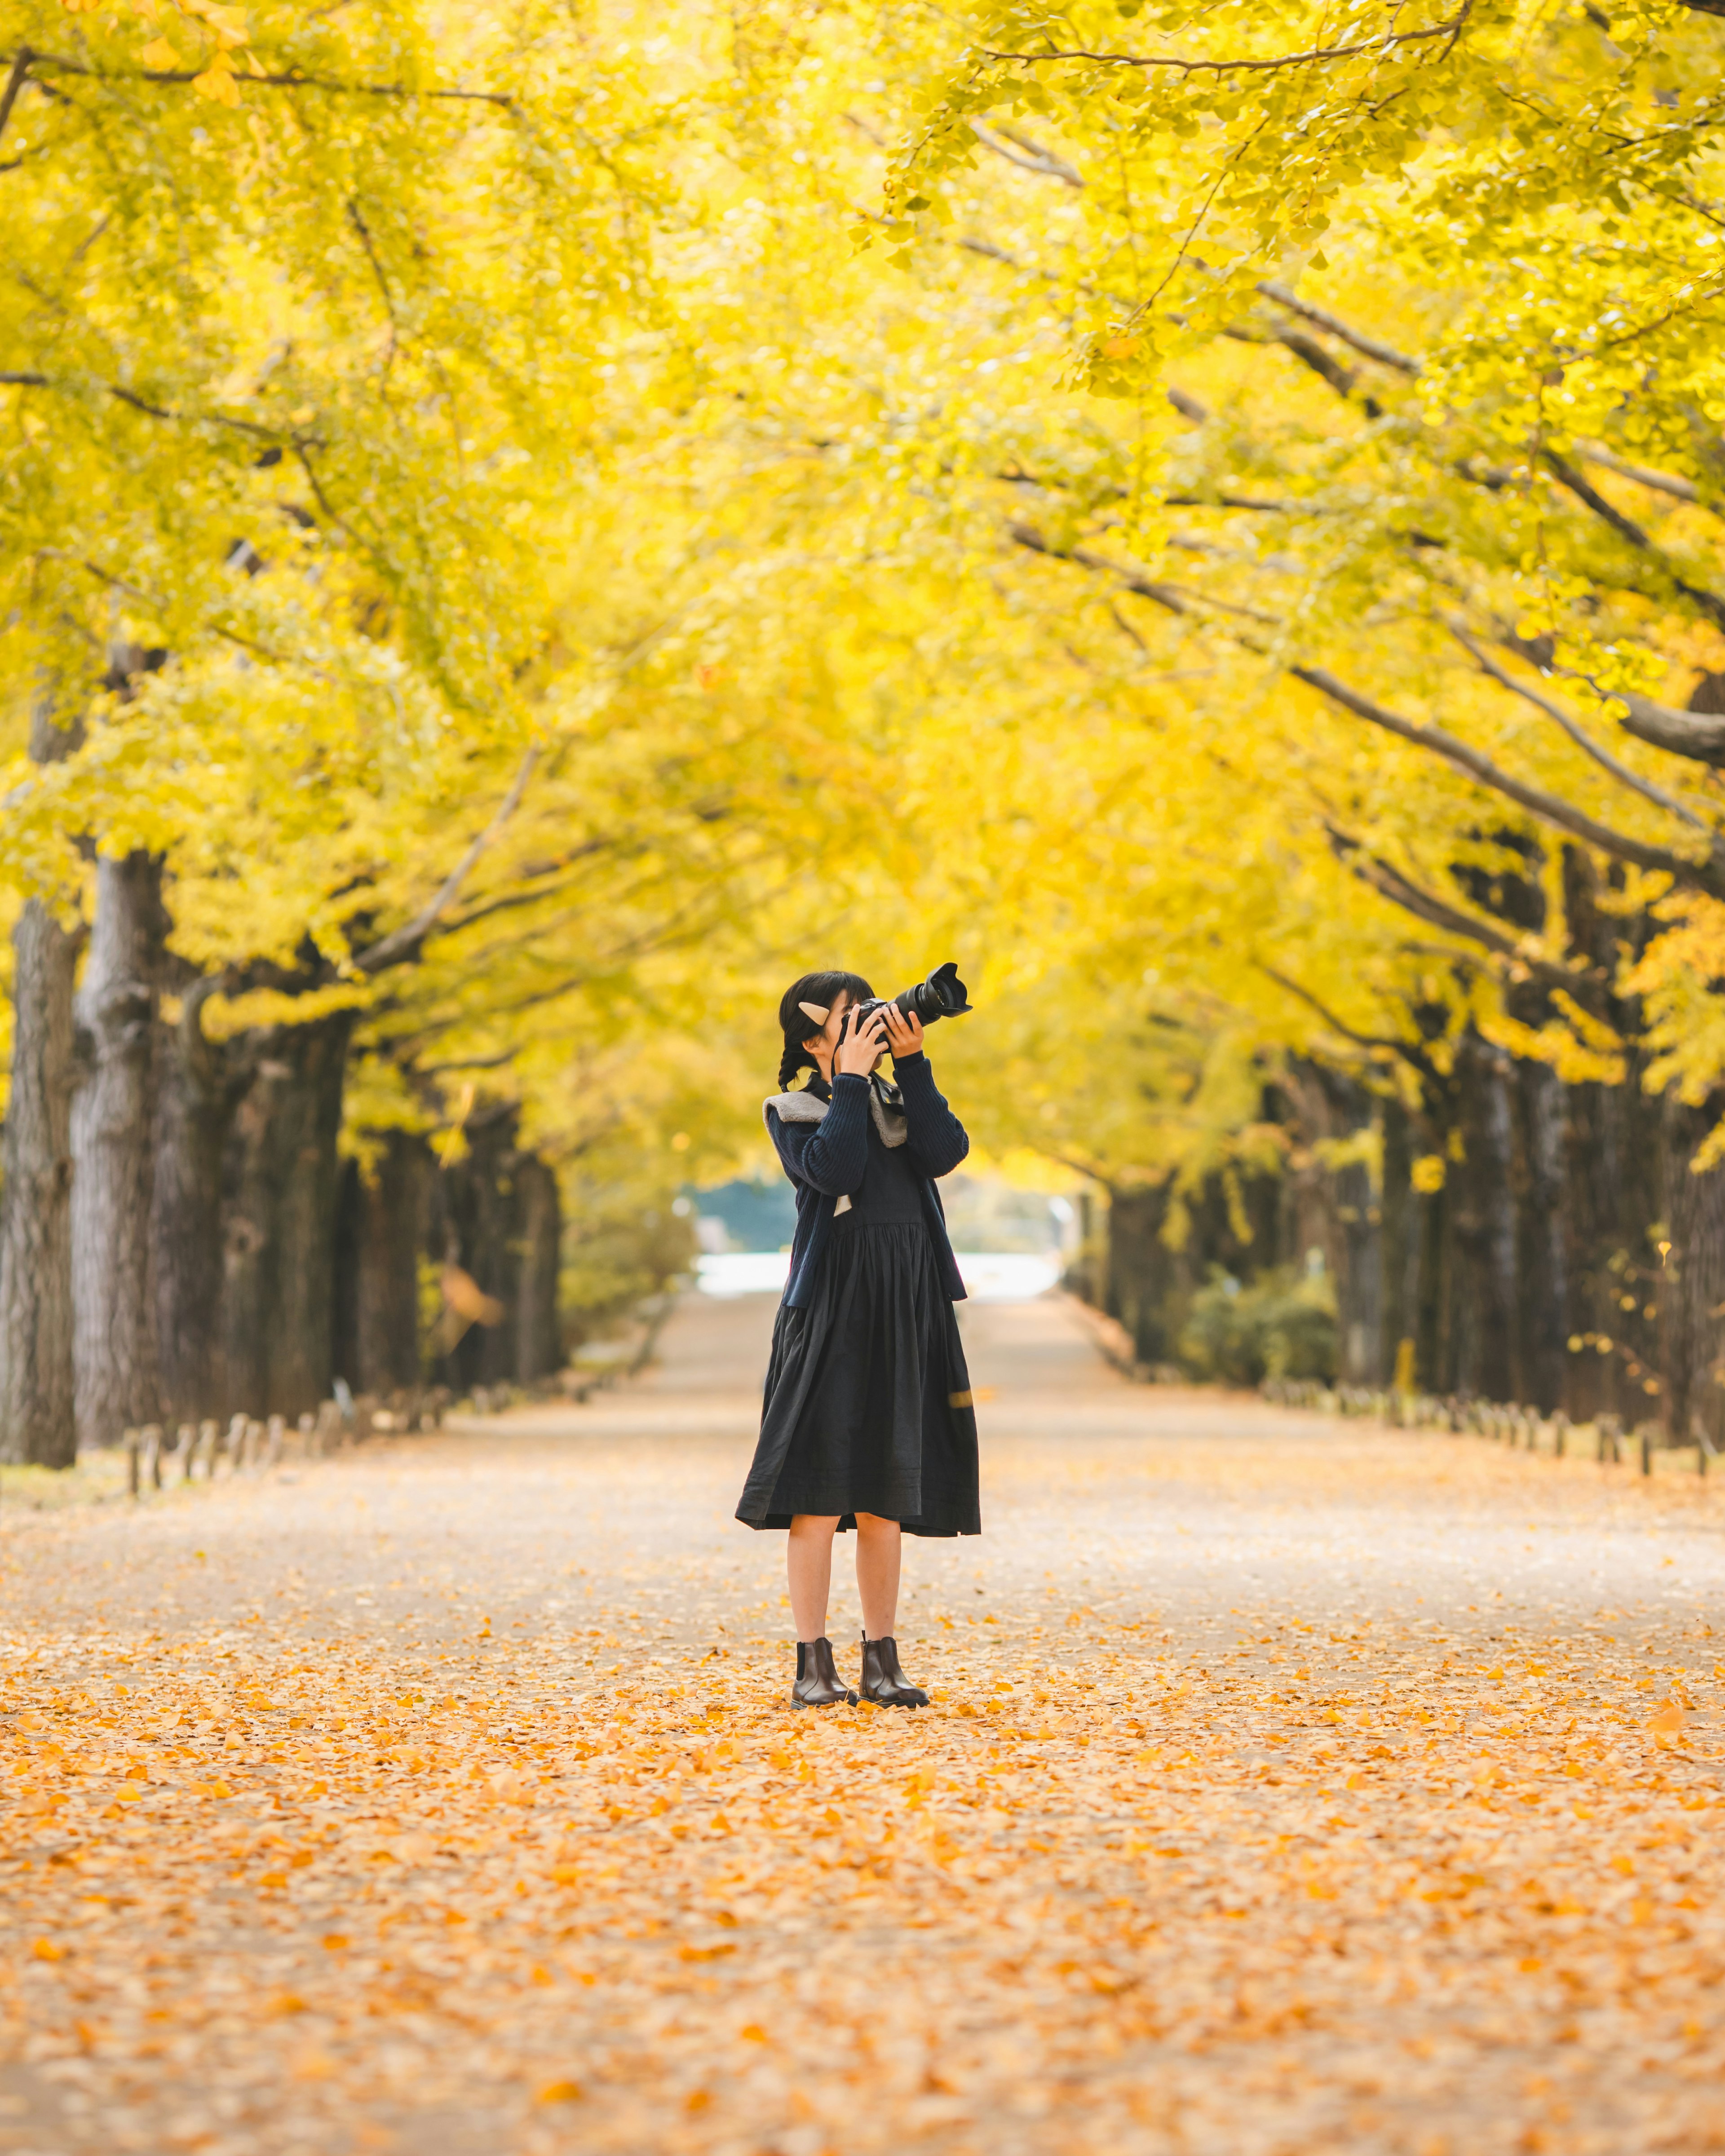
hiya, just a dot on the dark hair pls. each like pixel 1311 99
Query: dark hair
pixel 797 1025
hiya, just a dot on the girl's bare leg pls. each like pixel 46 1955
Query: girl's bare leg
pixel 808 1562
pixel 879 1546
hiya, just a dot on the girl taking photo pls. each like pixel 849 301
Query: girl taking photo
pixel 868 1422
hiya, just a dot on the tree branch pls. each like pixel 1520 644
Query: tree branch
pixel 1426 906
pixel 404 941
pixel 1311 353
pixel 14 83
pixel 1585 740
pixel 1549 808
pixel 1026 535
pixel 1386 355
pixel 293 81
pixel 366 242
pixel 1027 159
pixel 1697 736
pixel 1401 1048
pixel 1253 66
pixel 1710 603
pixel 1680 489
pixel 24 380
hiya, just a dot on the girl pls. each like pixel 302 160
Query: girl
pixel 868 1421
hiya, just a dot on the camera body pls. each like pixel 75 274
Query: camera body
pixel 941 995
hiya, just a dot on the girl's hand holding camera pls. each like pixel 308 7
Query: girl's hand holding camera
pixel 904 1034
pixel 860 1047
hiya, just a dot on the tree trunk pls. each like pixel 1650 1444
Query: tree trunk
pixel 1484 1275
pixel 1434 1307
pixel 280 1181
pixel 1692 1287
pixel 113 1111
pixel 480 1230
pixel 392 1200
pixel 1400 1260
pixel 186 1208
pixel 1354 1242
pixel 1149 1286
pixel 538 1347
pixel 1541 1328
pixel 36 1420
pixel 1591 1169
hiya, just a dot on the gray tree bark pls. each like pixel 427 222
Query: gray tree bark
pixel 1541 1289
pixel 281 1177
pixel 393 1202
pixel 1690 1290
pixel 1483 1262
pixel 185 1207
pixel 37 1418
pixel 538 1348
pixel 115 1371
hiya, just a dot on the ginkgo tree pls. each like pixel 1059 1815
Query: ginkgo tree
pixel 498 588
pixel 1435 295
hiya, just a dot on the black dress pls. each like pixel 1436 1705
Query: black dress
pixel 867 1405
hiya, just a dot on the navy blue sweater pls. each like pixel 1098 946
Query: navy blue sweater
pixel 825 1161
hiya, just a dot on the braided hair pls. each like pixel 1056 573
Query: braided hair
pixel 797 1025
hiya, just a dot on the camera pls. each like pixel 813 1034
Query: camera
pixel 941 995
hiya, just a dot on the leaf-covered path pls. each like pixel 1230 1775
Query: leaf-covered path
pixel 1291 1786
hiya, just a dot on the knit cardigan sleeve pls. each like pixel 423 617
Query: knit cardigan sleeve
pixel 936 1139
pixel 829 1155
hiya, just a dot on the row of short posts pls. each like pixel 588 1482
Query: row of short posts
pixel 246 1446
pixel 1521 1428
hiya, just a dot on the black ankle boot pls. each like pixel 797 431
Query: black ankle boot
pixel 883 1680
pixel 817 1682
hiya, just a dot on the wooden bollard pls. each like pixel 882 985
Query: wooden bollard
pixel 1644 1435
pixel 185 1437
pixel 1559 1434
pixel 234 1445
pixel 132 1441
pixel 278 1434
pixel 150 1459
pixel 307 1427
pixel 209 1438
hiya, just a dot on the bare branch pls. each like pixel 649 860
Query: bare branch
pixel 1550 807
pixel 1585 740
pixel 1423 905
pixel 1697 736
pixel 1307 349
pixel 1710 603
pixel 1026 535
pixel 1249 67
pixel 14 83
pixel 1405 1051
pixel 1680 489
pixel 59 64
pixel 1027 160
pixel 405 940
pixel 1373 347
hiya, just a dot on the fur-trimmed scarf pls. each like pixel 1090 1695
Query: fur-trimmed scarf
pixel 886 1106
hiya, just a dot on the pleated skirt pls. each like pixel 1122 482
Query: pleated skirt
pixel 868 1403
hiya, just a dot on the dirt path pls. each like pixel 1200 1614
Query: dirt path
pixel 1291 1786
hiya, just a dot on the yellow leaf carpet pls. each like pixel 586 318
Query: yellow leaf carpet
pixel 1290 1787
